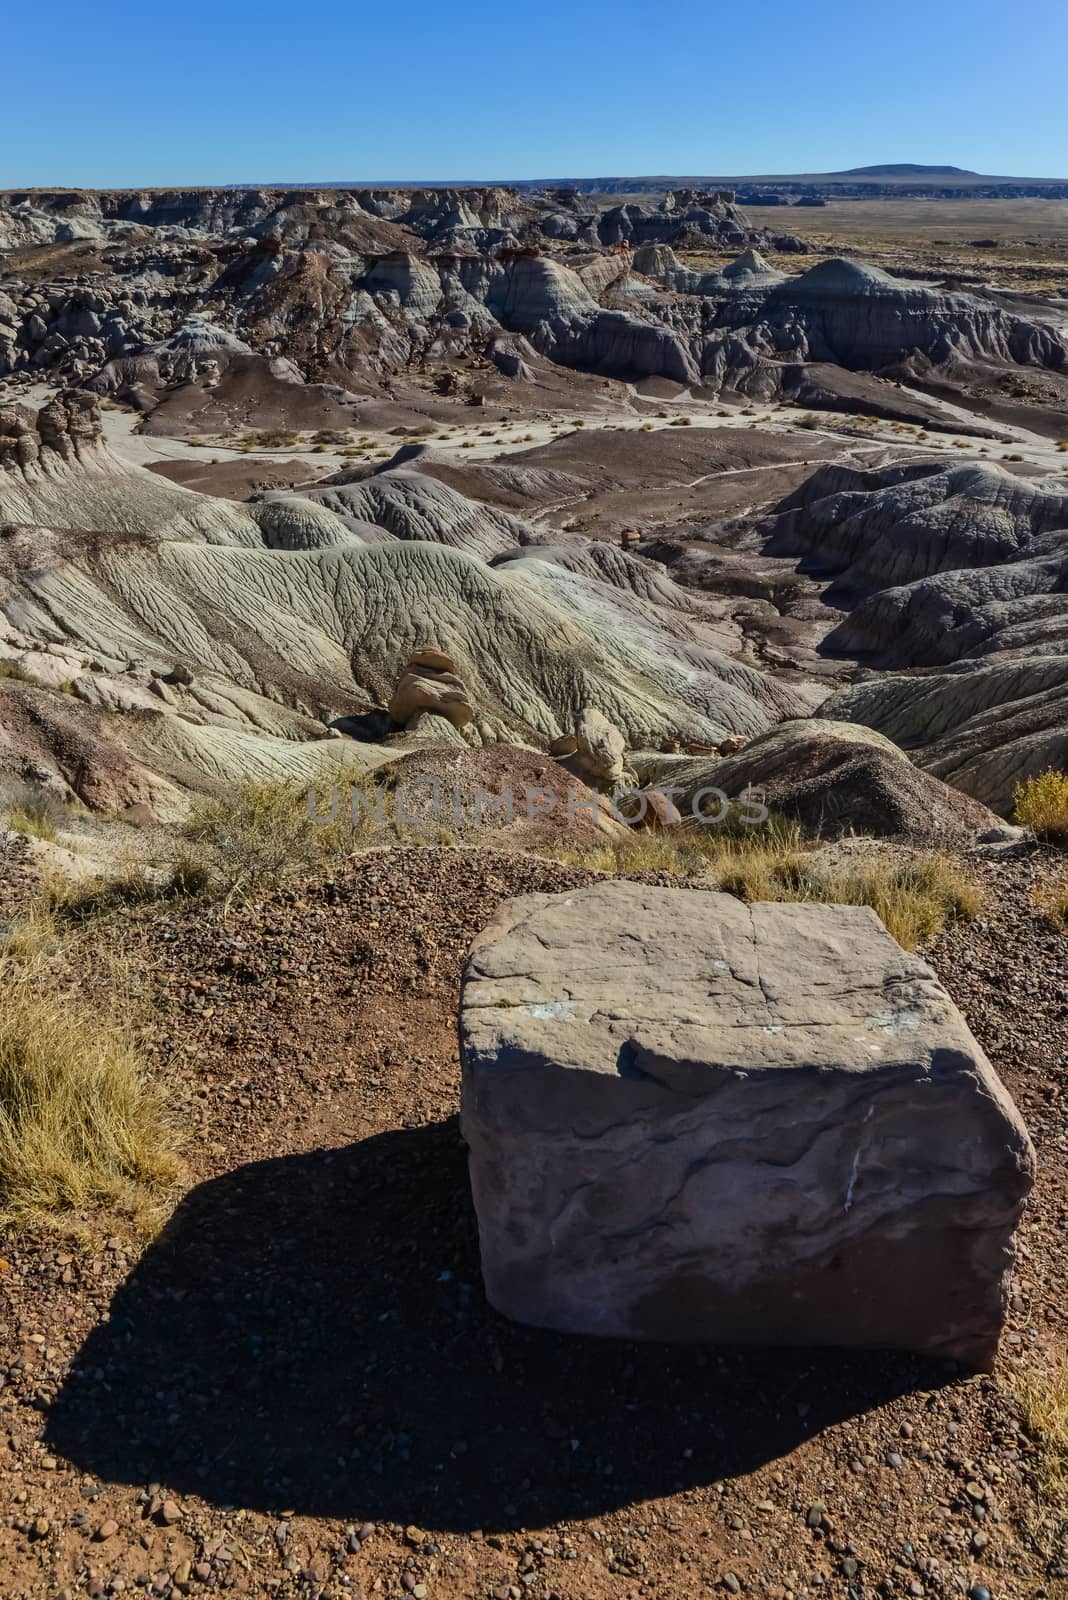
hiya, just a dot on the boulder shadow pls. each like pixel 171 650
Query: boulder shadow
pixel 311 1333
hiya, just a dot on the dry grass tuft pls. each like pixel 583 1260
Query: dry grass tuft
pixel 81 1120
pixel 1041 804
pixel 190 874
pixel 78 900
pixel 1052 899
pixel 33 936
pixel 915 898
pixel 36 813
pixel 1044 1396
pixel 32 824
pixel 685 852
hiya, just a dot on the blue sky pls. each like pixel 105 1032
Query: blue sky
pixel 112 94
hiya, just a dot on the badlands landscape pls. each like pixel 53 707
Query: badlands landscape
pixel 370 558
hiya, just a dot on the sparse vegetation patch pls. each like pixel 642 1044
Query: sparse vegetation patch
pixel 1041 804
pixel 81 1119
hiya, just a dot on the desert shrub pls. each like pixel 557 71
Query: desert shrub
pixel 1041 804
pixel 268 439
pixel 81 1119
pixel 12 669
pixel 267 831
pixel 190 874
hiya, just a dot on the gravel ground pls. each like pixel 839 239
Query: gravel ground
pixel 297 1388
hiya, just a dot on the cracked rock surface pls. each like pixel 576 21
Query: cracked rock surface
pixel 690 1118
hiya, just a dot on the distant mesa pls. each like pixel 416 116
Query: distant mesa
pixel 903 169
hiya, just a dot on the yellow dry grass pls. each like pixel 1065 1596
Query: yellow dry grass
pixel 1052 899
pixel 915 896
pixel 82 1120
pixel 1044 1397
pixel 1041 804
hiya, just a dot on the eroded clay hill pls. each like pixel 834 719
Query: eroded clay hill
pixel 289 614
pixel 291 306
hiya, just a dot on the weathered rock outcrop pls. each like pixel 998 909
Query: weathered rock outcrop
pixel 981 725
pixel 430 682
pixel 896 524
pixel 337 290
pixel 858 316
pixel 833 778
pixel 600 748
pixel 693 1119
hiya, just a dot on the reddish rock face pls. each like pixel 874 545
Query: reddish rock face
pixel 693 1119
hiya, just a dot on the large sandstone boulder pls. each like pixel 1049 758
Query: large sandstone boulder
pixel 694 1119
pixel 430 682
pixel 600 747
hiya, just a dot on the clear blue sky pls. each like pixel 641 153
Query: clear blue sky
pixel 110 94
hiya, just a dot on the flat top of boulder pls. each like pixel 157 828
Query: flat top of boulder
pixel 673 987
pixel 425 658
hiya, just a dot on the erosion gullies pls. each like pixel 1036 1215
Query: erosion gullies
pixel 292 612
pixel 833 777
pixel 897 524
pixel 961 571
pixel 981 726
pixel 340 293
pixel 456 505
pixel 623 574
pixel 405 504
